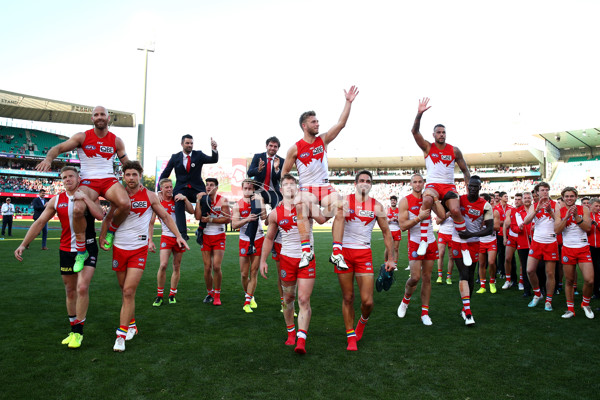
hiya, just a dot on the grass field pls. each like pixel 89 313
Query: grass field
pixel 194 351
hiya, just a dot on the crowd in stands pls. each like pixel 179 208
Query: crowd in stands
pixel 17 184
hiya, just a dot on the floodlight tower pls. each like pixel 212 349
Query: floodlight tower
pixel 149 47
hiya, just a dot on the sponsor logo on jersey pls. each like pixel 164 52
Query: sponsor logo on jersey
pixel 446 157
pixel 141 259
pixel 89 241
pixel 318 150
pixel 475 212
pixel 86 182
pixel 368 264
pixel 304 155
pixel 139 204
pixel 142 237
pixel 107 149
pixel 366 213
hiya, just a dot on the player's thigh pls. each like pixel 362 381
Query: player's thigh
pixel 587 270
pixel 569 271
pixel 89 192
pixel 85 276
pixel 365 287
pixel 244 265
pixel 117 194
pixel 132 278
pixel 218 257
pixel 164 257
pixel 346 283
pixel 305 288
pixel 492 257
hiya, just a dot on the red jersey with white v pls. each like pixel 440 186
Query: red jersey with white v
pixel 573 236
pixel 133 232
pixel 96 155
pixel 502 212
pixel 311 163
pixel 517 216
pixel 440 164
pixel 392 214
pixel 213 228
pixel 245 210
pixel 169 206
pixel 473 213
pixel 414 233
pixel 360 220
pixel 64 210
pixel 594 233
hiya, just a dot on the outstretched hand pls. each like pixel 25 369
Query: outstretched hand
pixel 423 105
pixel 351 94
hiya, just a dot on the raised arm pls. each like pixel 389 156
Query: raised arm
pixel 332 133
pixel 290 160
pixel 120 145
pixel 71 144
pixel 462 164
pixel 421 142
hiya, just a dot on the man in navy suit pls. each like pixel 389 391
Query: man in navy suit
pixel 39 205
pixel 265 169
pixel 188 174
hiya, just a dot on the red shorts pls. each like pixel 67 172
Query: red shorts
pixel 520 242
pixel 444 238
pixel 320 191
pixel 170 243
pixel 442 188
pixel 359 261
pixel 485 247
pixel 572 256
pixel 397 235
pixel 289 271
pixel 473 248
pixel 123 259
pixel 544 251
pixel 432 252
pixel 100 186
pixel 213 242
pixel 244 244
pixel 276 251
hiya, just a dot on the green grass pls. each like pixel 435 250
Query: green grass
pixel 194 351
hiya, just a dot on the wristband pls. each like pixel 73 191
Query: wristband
pixel 578 223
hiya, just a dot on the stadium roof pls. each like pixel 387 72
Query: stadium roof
pixel 574 139
pixel 487 158
pixel 31 108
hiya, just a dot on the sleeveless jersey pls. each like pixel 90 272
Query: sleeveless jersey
pixel 391 214
pixel 133 232
pixel 474 214
pixel 414 233
pixel 440 165
pixel 573 236
pixel 288 230
pixel 215 212
pixel 502 212
pixel 447 226
pixel 359 223
pixel 64 210
pixel 169 206
pixel 517 216
pixel 311 163
pixel 544 225
pixel 594 233
pixel 245 210
pixel 96 155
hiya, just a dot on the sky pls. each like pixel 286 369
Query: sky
pixel 242 71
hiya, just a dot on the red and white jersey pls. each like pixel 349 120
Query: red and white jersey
pixel 288 230
pixel 392 216
pixel 447 226
pixel 360 221
pixel 133 232
pixel 573 236
pixel 517 216
pixel 475 214
pixel 440 164
pixel 96 155
pixel 414 233
pixel 215 212
pixel 594 233
pixel 311 163
pixel 502 211
pixel 245 211
pixel 544 225
pixel 64 210
pixel 169 206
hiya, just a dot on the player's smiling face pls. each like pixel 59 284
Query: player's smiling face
pixel 439 134
pixel 595 207
pixel 100 117
pixel 527 199
pixel 131 178
pixel 167 189
pixel 363 184
pixel 569 198
pixel 311 126
pixel 70 180
pixel 393 203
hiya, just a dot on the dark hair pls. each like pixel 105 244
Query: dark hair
pixel 188 136
pixel 497 193
pixel 569 189
pixel 133 165
pixel 518 194
pixel 394 198
pixel 274 140
pixel 475 177
pixel 438 126
pixel 502 194
pixel 585 198
pixel 213 180
pixel 543 184
pixel 536 188
pixel 363 172
pixel 289 177
pixel 486 196
pixel 305 116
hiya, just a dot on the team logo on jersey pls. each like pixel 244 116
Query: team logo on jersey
pixel 63 205
pixel 283 273
pixel 434 155
pixel 139 204
pixel 565 259
pixel 243 251
pixel 455 252
pixel 86 182
pixel 115 264
pixel 284 222
pixel 414 254
pixel 90 147
pixel 107 149
pixel 163 244
pixel 317 150
pixel 304 155
pixel 415 208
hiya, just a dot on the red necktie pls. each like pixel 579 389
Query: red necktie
pixel 267 183
pixel 187 167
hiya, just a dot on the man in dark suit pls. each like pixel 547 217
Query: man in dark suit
pixel 188 174
pixel 265 169
pixel 39 205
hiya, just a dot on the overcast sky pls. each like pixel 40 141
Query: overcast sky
pixel 241 71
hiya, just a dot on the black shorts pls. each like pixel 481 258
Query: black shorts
pixel 67 258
